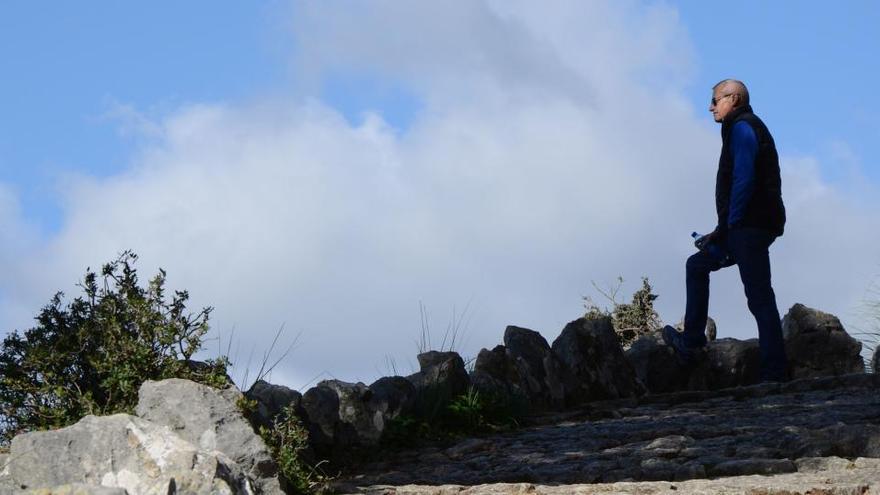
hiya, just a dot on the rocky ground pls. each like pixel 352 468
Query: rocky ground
pixel 806 436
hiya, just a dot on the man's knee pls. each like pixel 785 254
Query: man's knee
pixel 760 297
pixel 698 263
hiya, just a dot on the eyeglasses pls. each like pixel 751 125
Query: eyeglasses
pixel 716 100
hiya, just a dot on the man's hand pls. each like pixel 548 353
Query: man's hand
pixel 702 242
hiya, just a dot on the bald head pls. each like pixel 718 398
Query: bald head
pixel 732 86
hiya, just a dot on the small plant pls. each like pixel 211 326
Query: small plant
pixel 631 320
pixel 92 355
pixel 287 440
pixel 471 413
pixel 466 411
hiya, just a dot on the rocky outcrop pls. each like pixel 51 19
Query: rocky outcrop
pixel 817 344
pixel 724 363
pixel 187 438
pixel 211 419
pixel 768 429
pixel 121 451
pixel 592 354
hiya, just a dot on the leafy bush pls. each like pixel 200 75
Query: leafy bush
pixel 631 320
pixel 287 440
pixel 92 355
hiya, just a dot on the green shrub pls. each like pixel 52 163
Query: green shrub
pixel 92 355
pixel 287 440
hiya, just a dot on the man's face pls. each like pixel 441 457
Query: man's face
pixel 723 101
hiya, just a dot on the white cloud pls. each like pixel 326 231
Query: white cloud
pixel 554 148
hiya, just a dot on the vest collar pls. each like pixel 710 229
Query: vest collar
pixel 732 117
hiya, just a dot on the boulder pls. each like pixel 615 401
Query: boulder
pixel 271 400
pixel 320 406
pixel 725 363
pixel 441 378
pixel 541 376
pixel 211 419
pixel 443 372
pixel 341 414
pixel 656 367
pixel 494 374
pixel 392 397
pixel 732 363
pixel 590 349
pixel 7 485
pixel 357 423
pixel 125 452
pixel 817 344
pixel 875 361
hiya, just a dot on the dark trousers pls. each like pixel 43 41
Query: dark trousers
pixel 748 249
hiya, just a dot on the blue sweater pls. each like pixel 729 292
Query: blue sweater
pixel 744 144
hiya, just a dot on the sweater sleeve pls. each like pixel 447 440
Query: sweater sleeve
pixel 744 145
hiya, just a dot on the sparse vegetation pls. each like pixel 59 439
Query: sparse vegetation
pixel 471 413
pixel 631 320
pixel 287 440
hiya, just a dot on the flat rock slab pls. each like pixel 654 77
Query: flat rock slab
pixel 852 481
pixel 805 429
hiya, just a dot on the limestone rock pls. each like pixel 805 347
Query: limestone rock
pixel 875 361
pixel 732 363
pixel 655 365
pixel 543 378
pixel 725 363
pixel 271 400
pixel 210 418
pixel 762 431
pixel 321 408
pixel 817 344
pixel 79 489
pixel 357 423
pixel 7 485
pixel 591 351
pixel 121 451
pixel 392 396
pixel 442 373
pixel 342 414
pixel 495 374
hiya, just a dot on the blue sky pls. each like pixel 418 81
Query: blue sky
pixel 396 136
pixel 809 65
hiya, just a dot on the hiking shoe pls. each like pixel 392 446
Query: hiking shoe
pixel 687 355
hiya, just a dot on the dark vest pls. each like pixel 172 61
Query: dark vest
pixel 765 209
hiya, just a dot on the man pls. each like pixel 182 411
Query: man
pixel 748 200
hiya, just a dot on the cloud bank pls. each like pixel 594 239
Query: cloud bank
pixel 553 147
